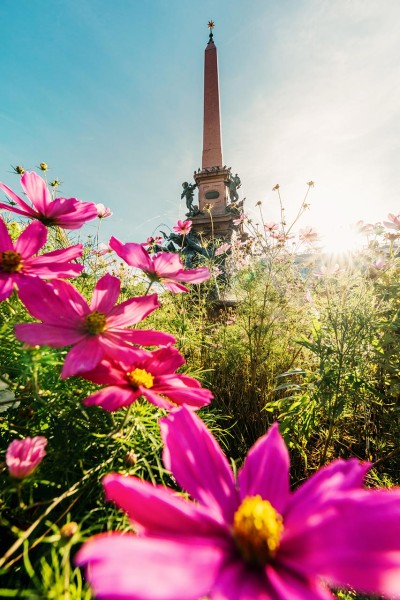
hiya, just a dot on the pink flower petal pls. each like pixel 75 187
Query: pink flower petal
pixel 105 294
pixel 106 373
pixel 58 303
pixel 353 542
pixel 193 456
pixel 46 268
pixel 339 476
pixel 25 213
pixel 147 337
pixel 165 360
pixel 174 287
pixel 182 389
pixel 161 511
pixel 194 275
pixel 266 470
pixel 64 254
pixel 74 303
pixel 237 582
pixel 31 239
pixel 6 286
pixel 40 334
pixel 133 254
pixel 112 398
pixel 132 311
pixel 156 399
pixel 36 190
pixel 168 264
pixel 114 345
pixel 287 585
pixel 126 567
pixel 84 356
pixel 73 213
pixel 5 238
pixel 26 209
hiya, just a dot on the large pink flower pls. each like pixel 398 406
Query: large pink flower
pixel 96 331
pixel 148 374
pixel 18 261
pixel 68 213
pixel 166 267
pixel 23 456
pixel 247 539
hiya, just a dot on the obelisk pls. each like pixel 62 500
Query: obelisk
pixel 213 177
pixel 212 148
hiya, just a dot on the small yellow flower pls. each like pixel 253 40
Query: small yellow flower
pixel 43 166
pixel 276 187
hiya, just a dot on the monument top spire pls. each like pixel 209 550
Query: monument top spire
pixel 211 26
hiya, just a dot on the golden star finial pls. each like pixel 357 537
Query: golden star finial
pixel 211 24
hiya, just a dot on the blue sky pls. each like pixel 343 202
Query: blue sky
pixel 109 94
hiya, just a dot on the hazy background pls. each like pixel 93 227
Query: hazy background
pixel 110 95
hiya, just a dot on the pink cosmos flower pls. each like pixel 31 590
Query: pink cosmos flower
pixel 391 236
pixel 281 237
pixel 95 331
pixel 271 226
pixel 102 250
pixel 148 374
pixel 394 222
pixel 18 261
pixel 247 539
pixel 365 228
pixel 23 456
pixel 223 248
pixel 102 211
pixel 241 219
pixel 308 235
pixel 153 241
pixel 68 213
pixel 183 227
pixel 380 264
pixel 327 270
pixel 165 267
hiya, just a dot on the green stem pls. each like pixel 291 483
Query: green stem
pixel 148 287
pixel 70 492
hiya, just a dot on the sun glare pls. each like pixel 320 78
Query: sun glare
pixel 341 239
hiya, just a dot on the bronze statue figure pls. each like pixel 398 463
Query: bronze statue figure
pixel 188 194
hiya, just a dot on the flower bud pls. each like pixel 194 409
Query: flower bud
pixel 130 459
pixel 23 456
pixel 68 530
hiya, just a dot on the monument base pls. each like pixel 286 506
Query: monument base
pixel 214 226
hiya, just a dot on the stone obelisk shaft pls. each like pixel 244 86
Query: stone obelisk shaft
pixel 212 147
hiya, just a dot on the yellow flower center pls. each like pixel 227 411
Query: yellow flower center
pixel 95 322
pixel 257 528
pixel 141 377
pixel 10 261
